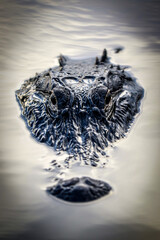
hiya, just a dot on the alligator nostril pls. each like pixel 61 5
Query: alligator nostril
pixel 82 189
pixel 69 183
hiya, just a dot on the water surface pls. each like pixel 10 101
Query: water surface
pixel 33 34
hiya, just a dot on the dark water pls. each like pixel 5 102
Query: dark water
pixel 32 34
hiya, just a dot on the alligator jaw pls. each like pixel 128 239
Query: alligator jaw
pixel 82 189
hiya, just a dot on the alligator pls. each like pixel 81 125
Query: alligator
pixel 80 107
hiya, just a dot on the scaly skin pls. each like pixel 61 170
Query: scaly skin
pixel 80 107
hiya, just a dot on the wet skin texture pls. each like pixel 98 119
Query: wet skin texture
pixel 80 189
pixel 80 107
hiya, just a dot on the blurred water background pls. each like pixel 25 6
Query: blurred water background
pixel 32 34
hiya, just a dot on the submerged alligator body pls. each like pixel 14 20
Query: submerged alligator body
pixel 80 107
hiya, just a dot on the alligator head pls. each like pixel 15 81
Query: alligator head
pixel 80 107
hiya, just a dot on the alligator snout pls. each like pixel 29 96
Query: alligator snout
pixel 82 189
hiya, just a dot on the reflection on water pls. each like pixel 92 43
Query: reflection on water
pixel 33 33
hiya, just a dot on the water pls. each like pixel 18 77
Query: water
pixel 33 34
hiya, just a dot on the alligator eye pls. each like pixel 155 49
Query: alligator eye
pixel 107 99
pixel 53 100
pixel 61 97
pixel 98 96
